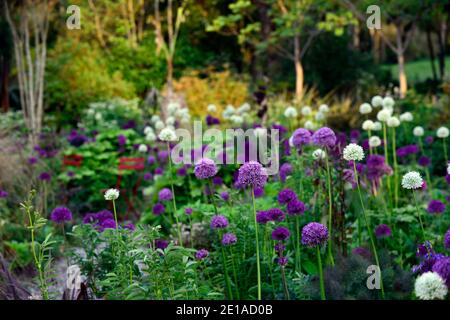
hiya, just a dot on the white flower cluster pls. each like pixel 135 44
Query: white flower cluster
pixel 418 131
pixel 365 108
pixel 177 112
pixel 237 116
pixel 111 194
pixel 353 152
pixel 290 112
pixel 412 180
pixel 442 132
pixel 168 134
pixel 374 142
pixel 430 286
pixel 319 154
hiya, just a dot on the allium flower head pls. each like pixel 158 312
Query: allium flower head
pixel 61 214
pixel 286 195
pixel 442 132
pixel 262 217
pixel 205 168
pixel 306 111
pixel 353 152
pixel 165 194
pixel 406 117
pixel 295 207
pixel 393 122
pixel 447 240
pixel 252 174
pixel 167 134
pixel 319 154
pixel 430 286
pixel 309 125
pixel 365 108
pixel 290 112
pixel 383 231
pixel 436 207
pixel 418 131
pixel 3 194
pixel 188 211
pixel 111 194
pixel 377 126
pixel 45 176
pixel 301 137
pixel 229 239
pixel 275 214
pixel 201 254
pixel 388 103
pixel 374 141
pixel 324 108
pixel 314 234
pixel 219 222
pixel 412 180
pixel 280 233
pixel 384 114
pixel 324 137
pixel 368 125
pixel 225 196
pixel 158 209
pixel 424 161
pixel 442 268
pixel 377 101
pixel 282 261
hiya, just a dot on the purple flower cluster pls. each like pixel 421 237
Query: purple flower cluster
pixel 161 244
pixel 376 167
pixel 442 267
pixel 201 254
pixel 285 171
pixel 210 120
pixel 383 231
pixel 301 137
pixel 229 239
pixel 280 234
pixel 158 209
pixel 45 176
pixel 363 252
pixel 262 217
pixel 436 207
pixel 275 214
pixel 165 195
pixel 295 207
pixel 205 168
pixel 101 220
pixel 252 174
pixel 286 195
pixel 188 211
pixel 428 258
pixel 314 234
pixel 424 161
pixel 447 240
pixel 76 139
pixel 225 196
pixel 324 137
pixel 3 194
pixel 407 150
pixel 61 214
pixel 219 222
pixel 121 140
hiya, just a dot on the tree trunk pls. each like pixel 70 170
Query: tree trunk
pixel 401 74
pixel 442 40
pixel 4 96
pixel 431 53
pixel 298 69
pixel 169 76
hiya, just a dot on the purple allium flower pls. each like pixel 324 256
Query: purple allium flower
pixel 280 233
pixel 314 234
pixel 324 137
pixel 442 267
pixel 151 160
pixel 161 244
pixel 295 207
pixel 280 128
pixel 61 214
pixel 424 161
pixel 210 120
pixel 70 174
pixel 201 254
pixel 429 139
pixel 205 168
pixel 252 174
pixel 45 176
pixel 262 217
pixel 188 211
pixel 225 196
pixel 282 261
pixel 354 135
pixel 182 172
pixel 424 249
pixel 286 195
pixel 436 207
pixel 301 137
pixel 76 139
pixel 130 124
pixel 121 140
pixel 147 176
pixel 159 171
pixel 279 247
pixel 158 209
pixel 229 239
pixel 447 240
pixel 285 170
pixel 348 175
pixel 376 167
pixel 104 215
pixel 258 192
pixel 32 160
pixel 217 181
pixel 130 226
pixel 407 150
pixel 89 218
pixel 165 195
pixel 163 155
pixel 447 178
pixel 108 224
pixel 276 214
pixel 219 222
pixel 3 194
pixel 383 231
pixel 363 252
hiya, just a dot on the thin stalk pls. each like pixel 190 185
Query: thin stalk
pixel 235 274
pixel 298 258
pixel 386 156
pixel 444 144
pixel 419 215
pixel 258 267
pixel 394 155
pixel 330 213
pixel 225 271
pixel 322 285
pixel 173 198
pixel 285 286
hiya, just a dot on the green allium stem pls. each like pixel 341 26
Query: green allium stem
pixel 322 285
pixel 258 267
pixel 330 214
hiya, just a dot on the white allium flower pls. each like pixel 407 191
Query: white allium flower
pixel 147 130
pixel 111 194
pixel 430 286
pixel 393 122
pixel 186 119
pixel 260 132
pixel 155 119
pixel 143 148
pixel 182 113
pixel 324 108
pixel 448 169
pixel 319 116
pixel 170 121
pixel 388 103
pixel 374 142
pixel 418 131
pixel 167 134
pixel 172 107
pixel 309 125
pixel 319 154
pixel 91 112
pixel 228 112
pixel 244 108
pixel 236 119
pixel 377 126
pixel 412 180
pixel 290 112
pixel 353 152
pixel 150 137
pixel 159 125
pixel 212 108
pixel 306 111
pixel 368 125
pixel 98 116
pixel 406 117
pixel 365 108
pixel 377 101
pixel 291 142
pixel 442 132
pixel 384 114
